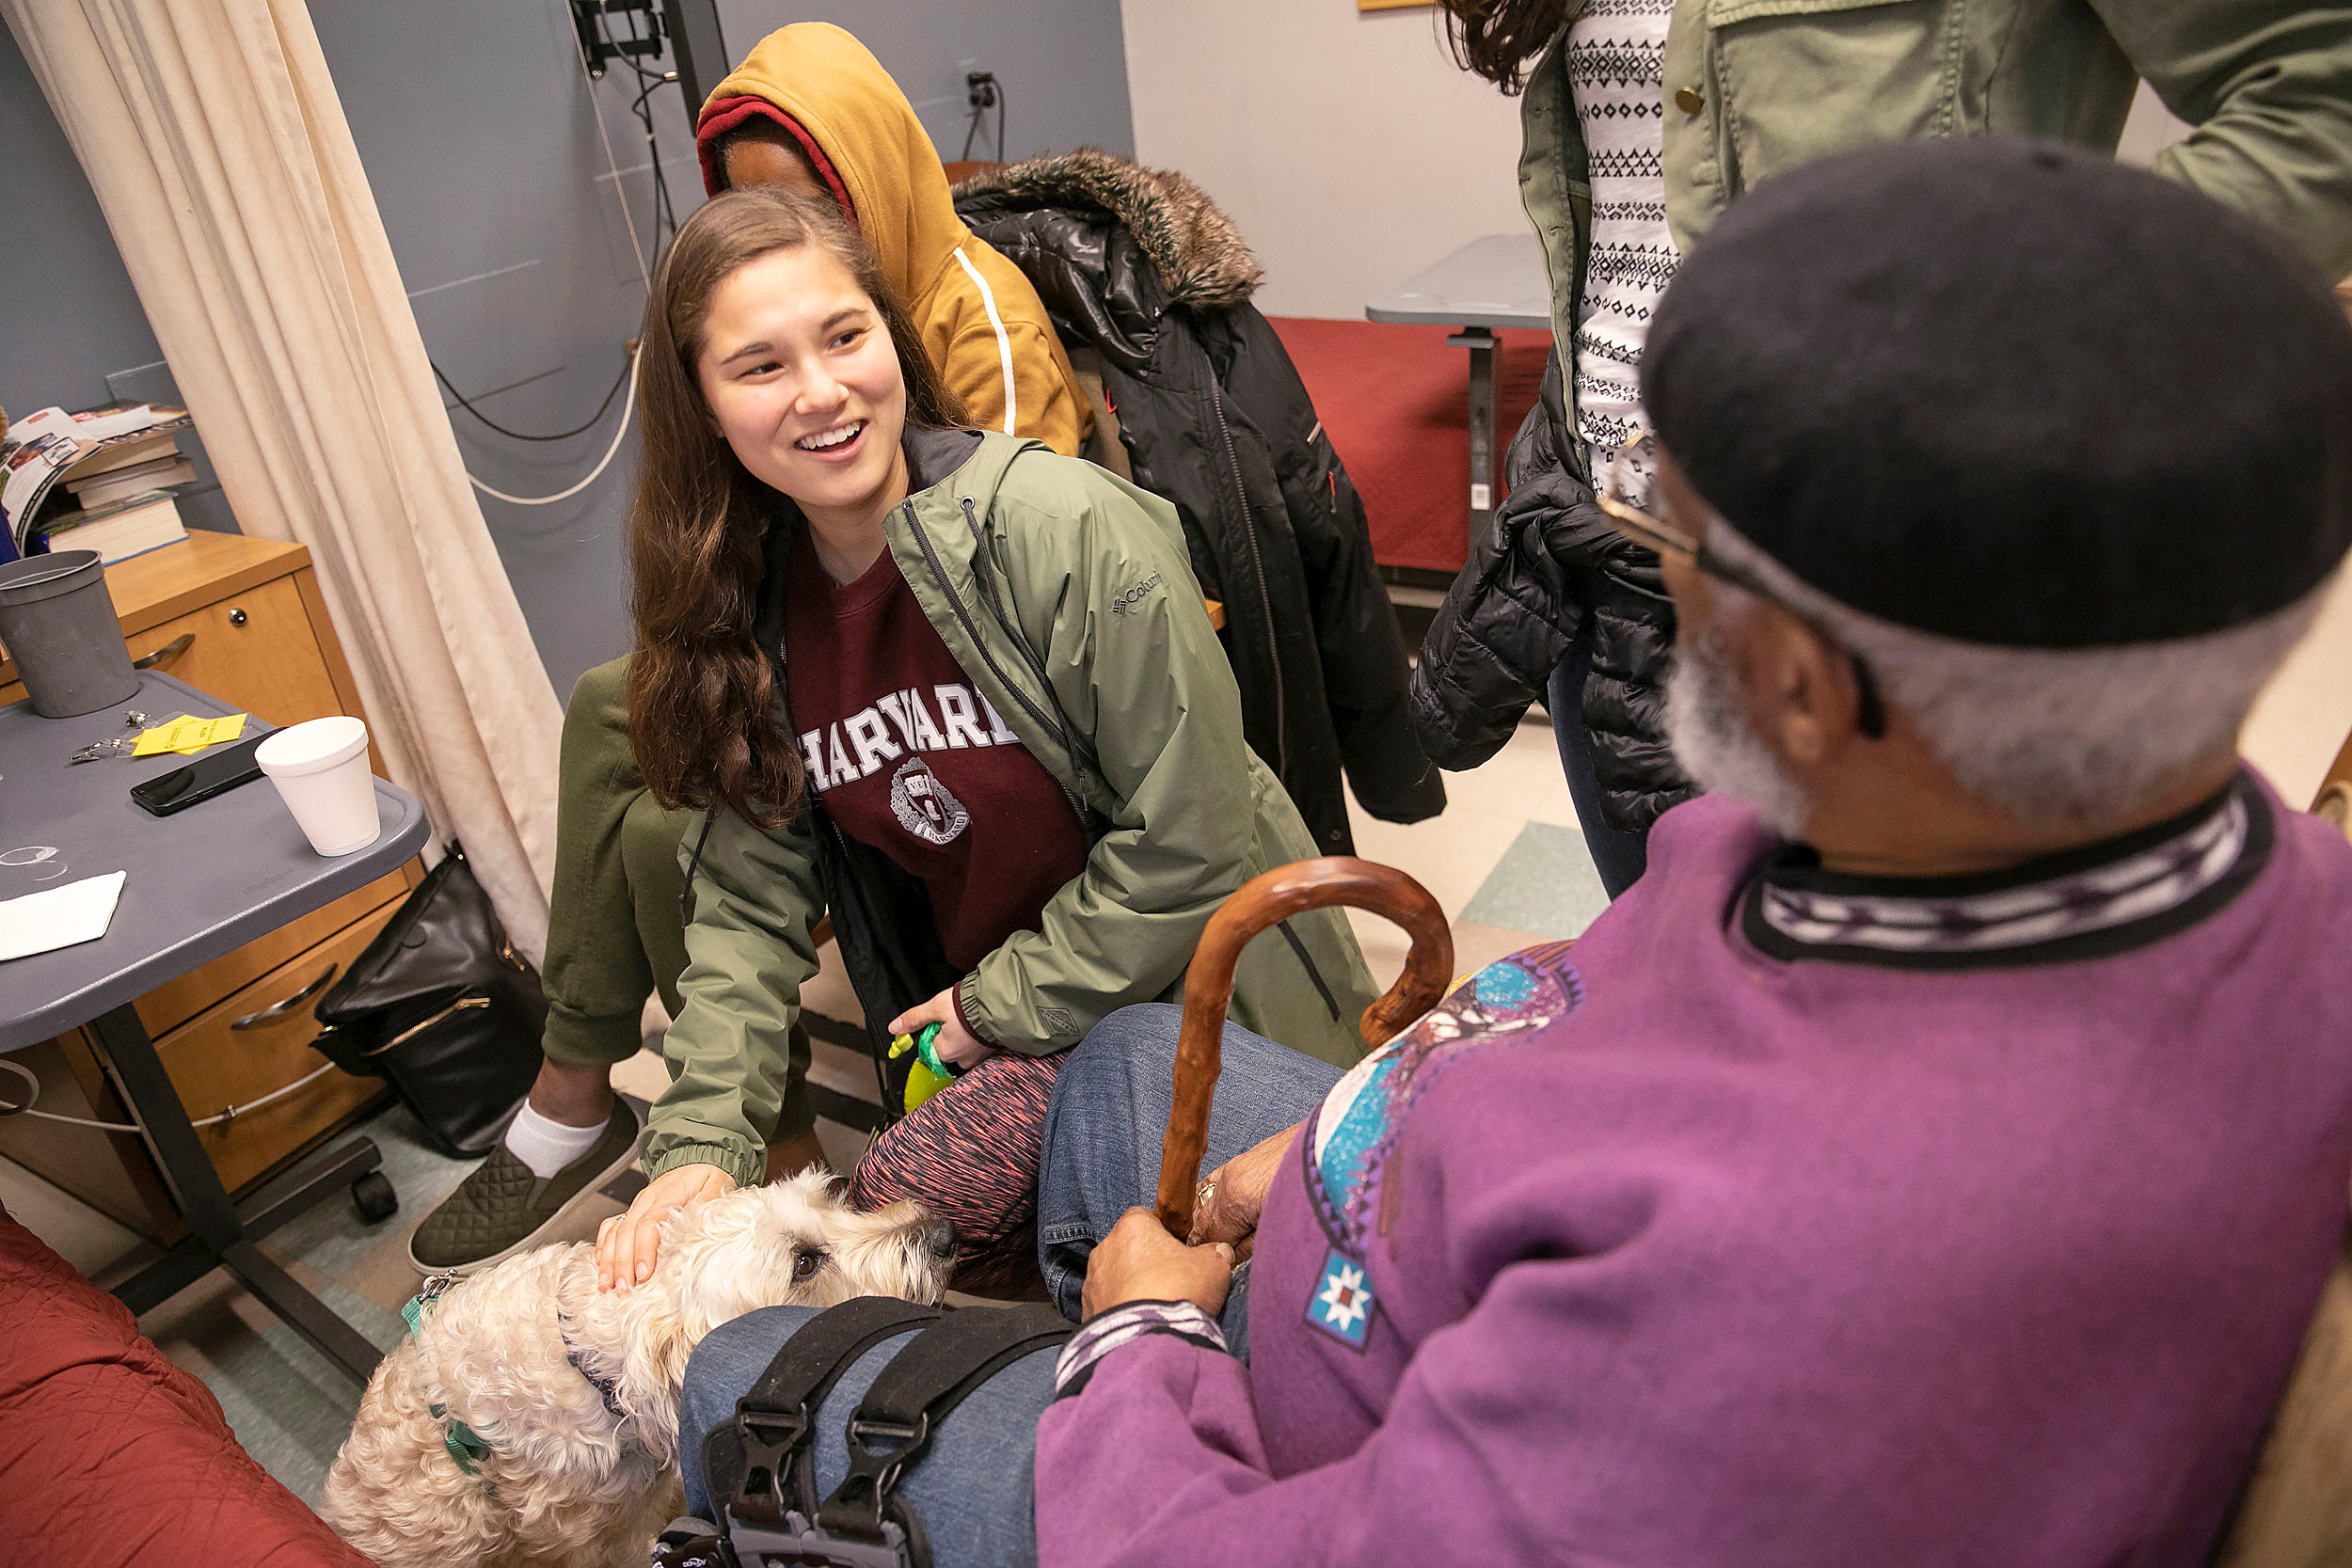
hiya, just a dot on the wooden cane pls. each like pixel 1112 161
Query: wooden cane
pixel 1277 895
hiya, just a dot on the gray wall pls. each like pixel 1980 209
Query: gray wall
pixel 478 137
pixel 72 331
pixel 1062 63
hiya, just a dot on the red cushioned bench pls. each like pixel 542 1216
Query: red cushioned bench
pixel 1395 401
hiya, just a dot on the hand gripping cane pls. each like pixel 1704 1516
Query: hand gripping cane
pixel 1277 895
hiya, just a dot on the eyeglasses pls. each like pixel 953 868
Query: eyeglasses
pixel 1663 536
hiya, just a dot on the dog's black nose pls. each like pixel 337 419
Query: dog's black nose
pixel 939 1237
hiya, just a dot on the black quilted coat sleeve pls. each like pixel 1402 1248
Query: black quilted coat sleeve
pixel 1552 571
pixel 1513 608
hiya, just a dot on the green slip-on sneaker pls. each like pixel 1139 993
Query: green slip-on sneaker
pixel 503 1208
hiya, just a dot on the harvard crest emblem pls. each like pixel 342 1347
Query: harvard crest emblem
pixel 923 804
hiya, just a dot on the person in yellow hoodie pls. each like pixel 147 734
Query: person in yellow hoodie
pixel 813 110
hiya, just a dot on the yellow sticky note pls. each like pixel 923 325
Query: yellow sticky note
pixel 216 732
pixel 165 737
pixel 186 735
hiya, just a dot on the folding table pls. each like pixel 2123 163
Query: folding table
pixel 201 883
pixel 1496 281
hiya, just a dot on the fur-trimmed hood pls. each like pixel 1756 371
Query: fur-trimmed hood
pixel 1194 248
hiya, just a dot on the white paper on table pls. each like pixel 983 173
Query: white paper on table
pixel 59 916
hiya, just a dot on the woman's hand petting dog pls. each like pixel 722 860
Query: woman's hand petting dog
pixel 956 1045
pixel 627 1244
pixel 1233 1195
pixel 1140 1261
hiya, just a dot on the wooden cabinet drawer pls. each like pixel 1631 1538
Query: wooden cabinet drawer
pixel 215 1066
pixel 269 664
pixel 175 1001
pixel 254 649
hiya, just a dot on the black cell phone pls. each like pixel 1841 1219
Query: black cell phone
pixel 200 780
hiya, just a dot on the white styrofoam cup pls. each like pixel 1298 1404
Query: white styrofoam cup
pixel 320 771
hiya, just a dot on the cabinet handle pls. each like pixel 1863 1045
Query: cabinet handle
pixel 463 1003
pixel 277 1012
pixel 165 653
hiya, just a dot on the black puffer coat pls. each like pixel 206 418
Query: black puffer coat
pixel 1554 570
pixel 1141 268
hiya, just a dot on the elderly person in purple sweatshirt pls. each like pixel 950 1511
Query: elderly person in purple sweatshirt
pixel 1936 1157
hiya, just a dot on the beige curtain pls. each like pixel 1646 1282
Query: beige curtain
pixel 219 149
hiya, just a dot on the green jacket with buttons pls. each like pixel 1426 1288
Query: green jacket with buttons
pixel 1755 88
pixel 1065 596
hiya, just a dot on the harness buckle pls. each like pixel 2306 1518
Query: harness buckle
pixel 770 1440
pixel 909 1436
pixel 874 1470
pixel 802 1544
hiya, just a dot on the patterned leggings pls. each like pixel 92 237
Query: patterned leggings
pixel 970 1155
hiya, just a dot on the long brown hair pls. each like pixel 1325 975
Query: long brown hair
pixel 1499 39
pixel 701 720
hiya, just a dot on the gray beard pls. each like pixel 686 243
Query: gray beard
pixel 1707 725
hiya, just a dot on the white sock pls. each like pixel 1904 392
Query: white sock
pixel 546 1146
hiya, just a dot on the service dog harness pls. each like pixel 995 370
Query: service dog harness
pixel 759 1467
pixel 467 1446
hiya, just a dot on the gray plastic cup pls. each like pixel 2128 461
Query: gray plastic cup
pixel 58 622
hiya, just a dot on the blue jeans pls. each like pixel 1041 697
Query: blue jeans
pixel 1103 1136
pixel 1620 856
pixel 974 1489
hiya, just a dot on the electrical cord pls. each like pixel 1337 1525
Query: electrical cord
pixel 647 81
pixel 602 463
pixel 593 419
pixel 644 271
pixel 32 1092
pixel 663 212
pixel 974 129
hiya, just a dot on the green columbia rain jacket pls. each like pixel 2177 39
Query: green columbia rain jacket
pixel 1065 596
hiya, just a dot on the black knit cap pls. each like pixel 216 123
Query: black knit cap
pixel 2010 392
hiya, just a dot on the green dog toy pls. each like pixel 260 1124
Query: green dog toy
pixel 926 1075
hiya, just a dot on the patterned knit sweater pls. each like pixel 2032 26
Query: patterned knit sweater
pixel 1616 60
pixel 1786 1220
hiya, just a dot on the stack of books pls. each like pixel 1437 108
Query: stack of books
pixel 149 459
pixel 116 467
pixel 141 521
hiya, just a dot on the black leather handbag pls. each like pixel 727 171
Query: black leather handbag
pixel 441 1008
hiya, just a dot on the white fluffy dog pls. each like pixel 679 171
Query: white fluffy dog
pixel 567 1396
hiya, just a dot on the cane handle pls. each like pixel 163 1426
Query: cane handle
pixel 1264 901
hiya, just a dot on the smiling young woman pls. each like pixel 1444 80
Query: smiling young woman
pixel 702 507
pixel 875 650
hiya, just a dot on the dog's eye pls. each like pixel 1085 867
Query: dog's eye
pixel 804 1267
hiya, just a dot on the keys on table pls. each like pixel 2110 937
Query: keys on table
pixel 114 746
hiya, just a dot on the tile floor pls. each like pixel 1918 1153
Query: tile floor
pixel 1505 861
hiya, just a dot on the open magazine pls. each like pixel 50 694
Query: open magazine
pixel 31 464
